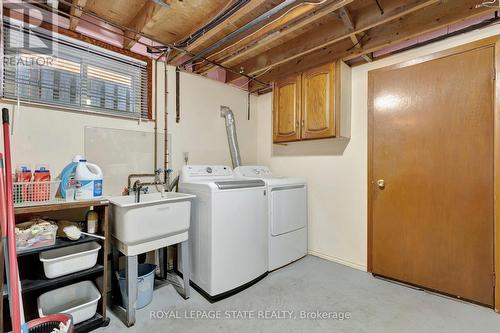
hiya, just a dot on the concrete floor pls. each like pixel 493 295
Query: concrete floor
pixel 313 284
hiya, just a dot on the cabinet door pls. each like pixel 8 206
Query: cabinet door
pixel 286 110
pixel 318 100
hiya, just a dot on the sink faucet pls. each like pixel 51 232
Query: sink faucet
pixel 138 188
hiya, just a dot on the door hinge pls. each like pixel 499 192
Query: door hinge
pixel 264 192
pixel 494 279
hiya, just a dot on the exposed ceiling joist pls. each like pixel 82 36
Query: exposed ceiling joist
pixel 408 27
pixel 256 22
pixel 301 16
pixel 145 15
pixel 231 24
pixel 346 18
pixel 76 13
pixel 326 36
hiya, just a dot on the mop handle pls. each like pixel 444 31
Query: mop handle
pixel 11 224
pixel 3 211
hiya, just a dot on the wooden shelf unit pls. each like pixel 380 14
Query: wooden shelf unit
pixel 33 281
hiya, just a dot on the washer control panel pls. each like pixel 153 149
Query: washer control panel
pixel 207 170
pixel 253 171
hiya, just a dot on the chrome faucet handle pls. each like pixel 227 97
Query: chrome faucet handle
pixel 137 185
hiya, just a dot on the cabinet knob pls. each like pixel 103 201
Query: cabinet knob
pixel 381 184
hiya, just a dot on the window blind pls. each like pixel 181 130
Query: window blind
pixel 43 67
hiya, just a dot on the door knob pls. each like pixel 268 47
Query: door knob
pixel 381 184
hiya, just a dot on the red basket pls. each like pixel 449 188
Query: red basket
pixel 47 324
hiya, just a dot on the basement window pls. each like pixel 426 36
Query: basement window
pixel 51 69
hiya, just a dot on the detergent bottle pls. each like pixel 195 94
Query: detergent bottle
pixel 88 177
pixel 68 175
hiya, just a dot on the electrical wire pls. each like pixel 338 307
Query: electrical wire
pixel 490 4
pixel 255 76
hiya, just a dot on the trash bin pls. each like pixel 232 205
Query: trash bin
pixel 145 284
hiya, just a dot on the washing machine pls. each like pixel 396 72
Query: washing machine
pixel 228 231
pixel 287 214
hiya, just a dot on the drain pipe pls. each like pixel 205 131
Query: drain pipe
pixel 225 112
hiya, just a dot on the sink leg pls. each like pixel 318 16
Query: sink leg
pixel 163 261
pixel 115 287
pixel 131 267
pixel 185 268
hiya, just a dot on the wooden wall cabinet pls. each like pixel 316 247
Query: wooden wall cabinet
pixel 308 105
pixel 287 106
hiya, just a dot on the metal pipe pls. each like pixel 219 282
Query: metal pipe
pixel 177 95
pixel 173 184
pixel 212 24
pixel 239 31
pixel 165 115
pixel 232 140
pixel 155 106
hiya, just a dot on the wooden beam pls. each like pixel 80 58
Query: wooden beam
pixel 76 13
pixel 408 27
pixel 145 15
pixel 346 18
pixel 278 31
pixel 328 35
pixel 232 23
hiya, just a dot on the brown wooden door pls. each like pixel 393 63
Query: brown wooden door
pixel 286 109
pixel 318 111
pixel 432 143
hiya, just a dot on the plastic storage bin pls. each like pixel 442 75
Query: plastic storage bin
pixel 34 234
pixel 71 259
pixel 79 300
pixel 145 284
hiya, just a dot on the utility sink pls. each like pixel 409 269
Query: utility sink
pixel 158 220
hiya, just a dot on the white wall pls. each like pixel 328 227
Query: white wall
pixel 49 136
pixel 338 183
pixel 201 131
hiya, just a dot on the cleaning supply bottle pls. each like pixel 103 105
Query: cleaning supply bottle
pixel 88 177
pixel 92 221
pixel 68 175
pixel 41 187
pixel 22 191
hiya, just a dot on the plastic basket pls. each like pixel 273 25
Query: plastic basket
pixel 29 238
pixel 47 324
pixel 35 192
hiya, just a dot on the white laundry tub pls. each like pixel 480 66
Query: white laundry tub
pixel 141 227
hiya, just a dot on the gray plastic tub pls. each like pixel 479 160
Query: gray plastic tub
pixel 145 285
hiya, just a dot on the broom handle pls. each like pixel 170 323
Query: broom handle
pixel 3 221
pixel 17 311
